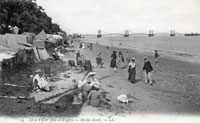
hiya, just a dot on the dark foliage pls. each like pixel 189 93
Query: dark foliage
pixel 26 15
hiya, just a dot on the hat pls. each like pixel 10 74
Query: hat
pixel 38 71
pixel 91 73
pixel 145 58
pixel 97 85
pixel 133 58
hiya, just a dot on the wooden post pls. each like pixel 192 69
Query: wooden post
pixel 126 34
pixel 99 34
pixel 172 33
pixel 151 33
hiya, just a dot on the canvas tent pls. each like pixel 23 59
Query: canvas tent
pixel 39 43
pixel 23 55
pixel 51 40
pixel 50 43
pixel 21 39
pixel 55 37
pixel 58 37
pixel 13 40
pixel 39 40
pixel 29 37
pixel 49 36
pixel 25 52
pixel 19 42
pixel 20 57
pixel 3 40
pixel 42 35
pixel 43 55
pixel 36 54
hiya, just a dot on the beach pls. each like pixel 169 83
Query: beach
pixel 175 88
pixel 99 61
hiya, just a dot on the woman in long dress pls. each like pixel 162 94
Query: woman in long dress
pixel 113 60
pixel 132 70
pixel 121 60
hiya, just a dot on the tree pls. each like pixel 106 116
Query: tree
pixel 26 15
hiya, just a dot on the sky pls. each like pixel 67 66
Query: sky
pixel 115 16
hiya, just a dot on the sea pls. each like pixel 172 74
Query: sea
pixel 182 46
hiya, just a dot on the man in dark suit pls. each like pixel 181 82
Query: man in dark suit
pixel 147 68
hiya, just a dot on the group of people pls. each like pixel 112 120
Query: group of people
pixel 131 65
pixel 147 69
pixel 82 62
pixel 88 91
pixel 118 61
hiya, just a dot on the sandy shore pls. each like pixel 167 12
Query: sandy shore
pixel 175 90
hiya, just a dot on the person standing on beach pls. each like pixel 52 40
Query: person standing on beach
pixel 132 70
pixel 91 48
pixel 147 68
pixel 121 60
pixel 156 56
pixel 81 45
pixel 78 55
pixel 99 60
pixel 113 60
